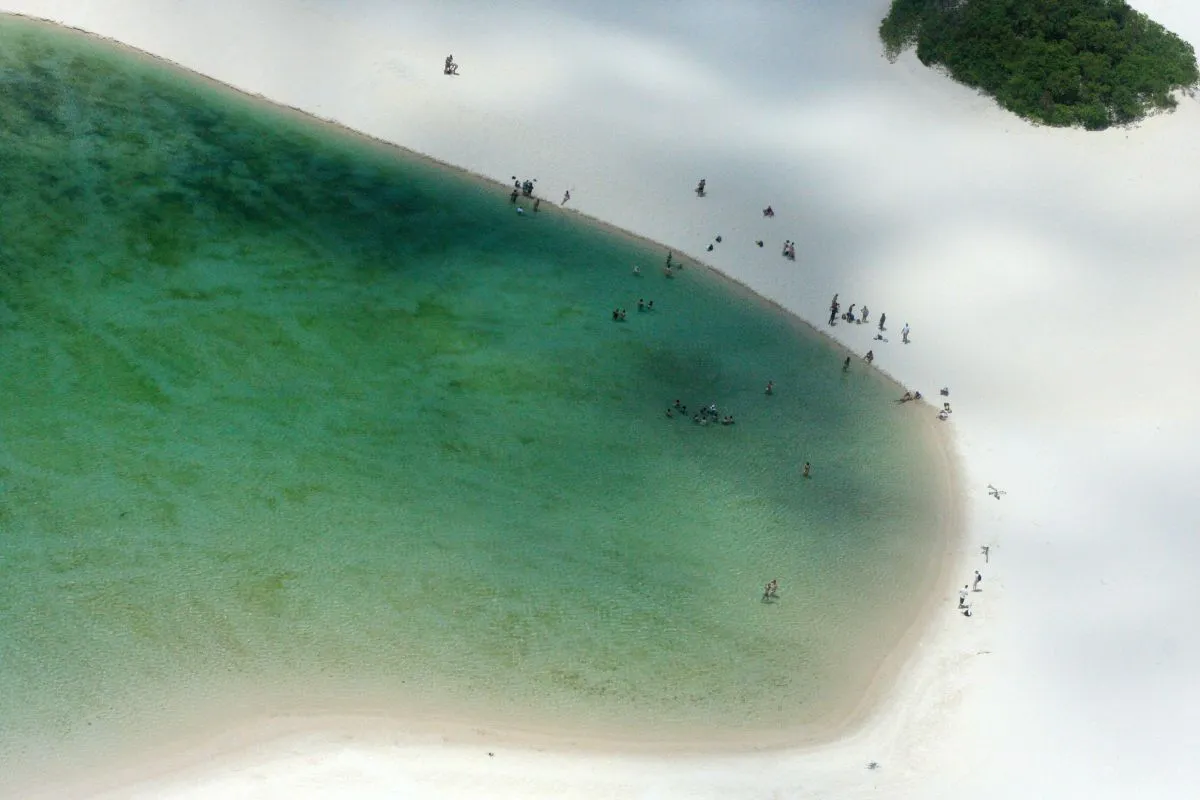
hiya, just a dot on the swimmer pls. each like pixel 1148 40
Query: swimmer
pixel 637 270
pixel 650 305
pixel 907 397
pixel 807 473
pixel 677 405
pixel 670 414
pixel 641 304
pixel 616 314
pixel 770 387
pixel 846 364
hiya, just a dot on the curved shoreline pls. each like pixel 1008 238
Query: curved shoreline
pixel 939 441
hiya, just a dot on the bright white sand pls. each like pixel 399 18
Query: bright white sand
pixel 1050 277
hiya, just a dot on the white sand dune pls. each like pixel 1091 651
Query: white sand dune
pixel 1050 278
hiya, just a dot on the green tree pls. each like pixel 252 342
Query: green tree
pixel 1090 63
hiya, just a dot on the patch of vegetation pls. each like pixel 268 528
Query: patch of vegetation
pixel 1089 63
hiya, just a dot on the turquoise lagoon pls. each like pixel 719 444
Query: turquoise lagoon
pixel 292 420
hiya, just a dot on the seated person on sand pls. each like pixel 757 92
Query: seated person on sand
pixel 451 68
pixel 768 212
pixel 943 415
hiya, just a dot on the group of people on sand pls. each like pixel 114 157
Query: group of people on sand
pixel 943 413
pixel 964 594
pixel 849 316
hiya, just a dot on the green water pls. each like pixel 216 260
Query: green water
pixel 285 414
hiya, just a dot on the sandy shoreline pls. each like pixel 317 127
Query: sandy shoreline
pixel 258 738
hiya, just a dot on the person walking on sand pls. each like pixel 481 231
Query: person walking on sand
pixel 975 583
pixel 904 333
pixel 882 319
pixel 865 312
pixel 870 356
pixel 566 197
pixel 963 593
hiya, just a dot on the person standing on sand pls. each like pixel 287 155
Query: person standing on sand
pixel 566 197
pixel 866 311
pixel 882 319
pixel 904 334
pixel 976 582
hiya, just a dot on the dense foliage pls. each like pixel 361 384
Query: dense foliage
pixel 1093 63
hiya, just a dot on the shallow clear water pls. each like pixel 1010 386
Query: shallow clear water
pixel 286 414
